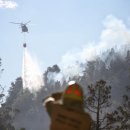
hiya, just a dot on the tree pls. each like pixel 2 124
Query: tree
pixel 1 88
pixel 97 102
pixel 14 91
pixel 5 117
pixel 89 72
pixel 1 94
pixel 1 99
pixel 121 116
pixel 128 56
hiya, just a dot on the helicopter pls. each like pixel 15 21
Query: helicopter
pixel 23 26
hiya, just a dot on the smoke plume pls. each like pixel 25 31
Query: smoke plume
pixel 114 35
pixel 8 4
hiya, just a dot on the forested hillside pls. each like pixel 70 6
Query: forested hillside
pixel 111 73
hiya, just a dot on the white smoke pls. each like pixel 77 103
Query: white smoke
pixel 8 4
pixel 114 35
pixel 31 73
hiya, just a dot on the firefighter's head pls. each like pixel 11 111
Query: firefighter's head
pixel 73 96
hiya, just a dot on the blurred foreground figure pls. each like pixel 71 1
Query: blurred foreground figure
pixel 66 109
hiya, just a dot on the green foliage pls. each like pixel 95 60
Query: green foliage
pixel 112 68
pixel 97 101
pixel 5 117
pixel 121 116
pixel 14 91
pixel 1 88
pixel 1 94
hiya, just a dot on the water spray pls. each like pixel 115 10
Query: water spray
pixel 31 73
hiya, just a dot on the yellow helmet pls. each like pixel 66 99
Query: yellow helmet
pixel 73 92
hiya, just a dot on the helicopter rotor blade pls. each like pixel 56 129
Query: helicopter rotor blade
pixel 27 22
pixel 15 23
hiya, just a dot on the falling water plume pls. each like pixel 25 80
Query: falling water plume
pixel 31 74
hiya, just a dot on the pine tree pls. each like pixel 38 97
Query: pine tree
pixel 121 116
pixel 97 102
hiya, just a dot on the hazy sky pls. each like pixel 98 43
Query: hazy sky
pixel 56 27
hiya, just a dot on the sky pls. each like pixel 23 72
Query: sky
pixel 57 28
